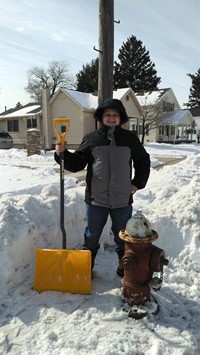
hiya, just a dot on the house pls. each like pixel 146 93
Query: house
pixel 170 122
pixel 77 106
pixel 80 107
pixel 163 114
pixel 18 121
pixel 178 127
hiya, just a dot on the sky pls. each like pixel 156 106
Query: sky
pixel 52 323
pixel 34 33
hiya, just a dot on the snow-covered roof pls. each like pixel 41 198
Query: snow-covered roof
pixel 85 100
pixel 119 93
pixel 29 110
pixel 90 101
pixel 151 97
pixel 176 118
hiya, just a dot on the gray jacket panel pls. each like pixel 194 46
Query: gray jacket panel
pixel 111 178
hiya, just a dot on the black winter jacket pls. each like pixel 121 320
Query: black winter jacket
pixel 110 158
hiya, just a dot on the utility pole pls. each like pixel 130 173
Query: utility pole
pixel 106 49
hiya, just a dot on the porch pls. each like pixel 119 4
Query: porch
pixel 177 127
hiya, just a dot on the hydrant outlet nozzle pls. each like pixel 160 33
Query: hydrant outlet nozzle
pixel 129 261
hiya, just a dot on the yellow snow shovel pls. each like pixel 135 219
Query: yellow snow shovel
pixel 63 270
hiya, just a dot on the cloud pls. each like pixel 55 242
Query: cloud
pixel 60 37
pixel 27 28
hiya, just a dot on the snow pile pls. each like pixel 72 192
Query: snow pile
pixel 61 323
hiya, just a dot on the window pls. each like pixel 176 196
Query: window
pixel 168 106
pixel 31 123
pixel 172 130
pixel 140 129
pixel 13 126
pixel 161 130
pixel 134 128
pixel 147 130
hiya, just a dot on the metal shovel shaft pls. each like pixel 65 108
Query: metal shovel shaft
pixel 65 124
pixel 62 202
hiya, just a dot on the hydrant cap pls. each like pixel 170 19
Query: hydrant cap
pixel 138 228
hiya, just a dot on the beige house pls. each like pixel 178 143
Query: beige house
pixel 162 111
pixel 80 107
pixel 170 122
pixel 77 106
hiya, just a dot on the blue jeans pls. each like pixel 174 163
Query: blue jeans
pixel 96 219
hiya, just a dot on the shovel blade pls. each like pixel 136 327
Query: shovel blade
pixel 63 270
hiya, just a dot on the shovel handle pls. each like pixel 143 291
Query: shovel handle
pixel 61 136
pixel 61 122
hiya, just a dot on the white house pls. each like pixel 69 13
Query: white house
pixel 163 113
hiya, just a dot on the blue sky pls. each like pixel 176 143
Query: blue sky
pixel 36 32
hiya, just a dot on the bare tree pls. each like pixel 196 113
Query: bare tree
pixel 152 113
pixel 57 75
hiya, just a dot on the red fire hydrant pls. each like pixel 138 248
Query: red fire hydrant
pixel 141 259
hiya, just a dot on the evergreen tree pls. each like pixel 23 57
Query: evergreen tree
pixel 194 97
pixel 135 69
pixel 87 78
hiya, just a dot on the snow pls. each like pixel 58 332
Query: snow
pixel 25 111
pixel 150 98
pixel 64 323
pixel 86 100
pixel 178 117
pixel 90 101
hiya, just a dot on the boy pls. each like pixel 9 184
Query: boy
pixel 110 153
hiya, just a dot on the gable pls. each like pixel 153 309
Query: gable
pixel 81 99
pixel 158 97
pixel 129 101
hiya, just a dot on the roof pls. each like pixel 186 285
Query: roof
pixel 83 99
pixel 89 101
pixel 150 97
pixel 120 93
pixel 28 110
pixel 177 118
